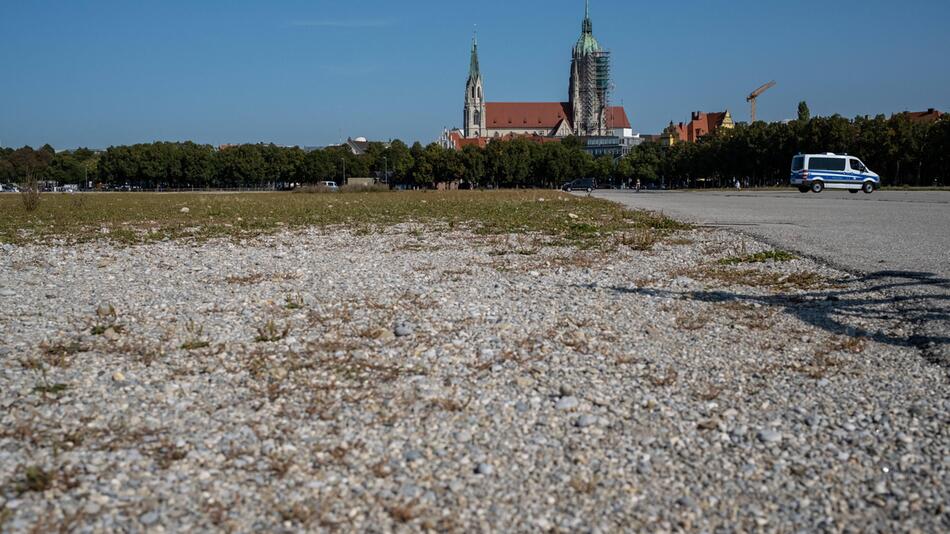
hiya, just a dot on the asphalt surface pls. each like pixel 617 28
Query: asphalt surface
pixel 897 241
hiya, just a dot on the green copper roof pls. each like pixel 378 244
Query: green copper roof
pixel 587 44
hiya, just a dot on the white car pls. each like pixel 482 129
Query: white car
pixel 815 172
pixel 329 185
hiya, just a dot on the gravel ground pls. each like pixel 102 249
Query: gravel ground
pixel 441 380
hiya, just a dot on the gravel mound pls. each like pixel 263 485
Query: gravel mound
pixel 450 381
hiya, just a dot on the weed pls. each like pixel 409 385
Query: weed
pixel 168 453
pixel 30 192
pixel 760 257
pixel 691 322
pixel 294 302
pixel 58 355
pixel 449 405
pixel 404 513
pixel 710 393
pixel 668 379
pixel 194 340
pixel 34 478
pixel 269 332
pixel 245 280
pixel 679 241
pixel 50 389
pixel 640 239
pixel 585 486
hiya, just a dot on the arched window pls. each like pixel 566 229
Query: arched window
pixel 479 93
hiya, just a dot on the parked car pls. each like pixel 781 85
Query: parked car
pixel 329 185
pixel 9 188
pixel 816 172
pixel 581 184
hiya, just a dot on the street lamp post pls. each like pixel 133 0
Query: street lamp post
pixel 386 169
pixel 342 183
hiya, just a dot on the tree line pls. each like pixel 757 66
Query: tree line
pixel 902 151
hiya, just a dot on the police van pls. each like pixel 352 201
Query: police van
pixel 816 172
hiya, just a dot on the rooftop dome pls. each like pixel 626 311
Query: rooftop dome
pixel 360 139
pixel 587 44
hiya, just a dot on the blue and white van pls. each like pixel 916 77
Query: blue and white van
pixel 815 172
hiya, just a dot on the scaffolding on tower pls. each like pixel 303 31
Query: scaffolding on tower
pixel 595 93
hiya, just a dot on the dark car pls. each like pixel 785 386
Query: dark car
pixel 581 184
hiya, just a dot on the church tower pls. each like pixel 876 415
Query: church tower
pixel 590 82
pixel 474 98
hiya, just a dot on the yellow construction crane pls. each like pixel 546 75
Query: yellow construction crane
pixel 755 95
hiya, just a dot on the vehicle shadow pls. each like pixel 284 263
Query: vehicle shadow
pixel 920 301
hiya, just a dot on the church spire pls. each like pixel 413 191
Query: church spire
pixel 473 70
pixel 588 26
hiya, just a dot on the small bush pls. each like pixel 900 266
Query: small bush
pixel 30 192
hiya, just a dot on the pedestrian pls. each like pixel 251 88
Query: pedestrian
pixel 738 185
pixel 638 185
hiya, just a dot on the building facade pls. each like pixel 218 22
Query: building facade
pixel 701 124
pixel 587 112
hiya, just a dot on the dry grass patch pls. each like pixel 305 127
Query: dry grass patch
pixel 761 279
pixel 748 315
pixel 759 257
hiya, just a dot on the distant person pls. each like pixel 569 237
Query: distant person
pixel 638 185
pixel 738 185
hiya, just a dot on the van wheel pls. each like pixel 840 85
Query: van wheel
pixel 817 187
pixel 868 187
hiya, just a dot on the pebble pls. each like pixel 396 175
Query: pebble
pixel 585 421
pixel 567 403
pixel 769 436
pixel 484 469
pixel 185 210
pixel 149 518
pixel 403 331
pixel 7 293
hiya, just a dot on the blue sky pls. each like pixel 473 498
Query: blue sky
pixel 103 72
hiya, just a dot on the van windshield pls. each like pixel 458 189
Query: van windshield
pixel 826 164
pixel 798 163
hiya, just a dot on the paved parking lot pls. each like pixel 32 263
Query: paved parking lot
pixel 899 239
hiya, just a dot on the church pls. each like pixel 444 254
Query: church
pixel 587 113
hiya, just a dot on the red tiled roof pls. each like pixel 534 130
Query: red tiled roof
pixel 460 142
pixel 617 118
pixel 526 114
pixel 931 115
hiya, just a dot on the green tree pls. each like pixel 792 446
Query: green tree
pixel 804 114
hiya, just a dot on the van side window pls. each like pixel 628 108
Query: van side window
pixel 826 164
pixel 856 165
pixel 798 163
